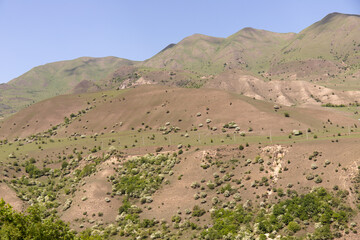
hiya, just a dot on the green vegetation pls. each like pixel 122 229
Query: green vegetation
pixel 197 211
pixel 333 105
pixel 35 224
pixel 55 79
pixel 142 176
pixel 243 189
pixel 35 172
pixel 326 212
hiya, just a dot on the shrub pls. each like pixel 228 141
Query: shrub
pixel 318 180
pixel 197 211
pixel 210 185
pixel 293 226
pixel 176 219
pixel 158 149
pixel 195 185
pixel 64 165
pixel 66 120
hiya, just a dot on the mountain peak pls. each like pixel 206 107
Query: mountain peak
pixel 334 21
pixel 336 15
pixel 198 36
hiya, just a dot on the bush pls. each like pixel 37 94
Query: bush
pixel 64 165
pixel 176 219
pixel 318 180
pixel 87 170
pixel 197 211
pixel 294 226
pixel 66 120
pixel 286 114
pixel 158 149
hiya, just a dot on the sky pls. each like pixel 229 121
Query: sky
pixel 37 32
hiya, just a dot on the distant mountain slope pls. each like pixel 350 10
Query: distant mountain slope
pixel 328 49
pixel 195 53
pixel 336 37
pixel 65 75
pixel 246 49
pixel 326 53
pixel 55 79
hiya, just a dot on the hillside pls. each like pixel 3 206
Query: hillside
pixel 155 105
pixel 326 53
pixel 172 162
pixel 82 74
pixel 332 39
pixel 247 49
pixel 252 136
pixel 321 62
pixel 290 92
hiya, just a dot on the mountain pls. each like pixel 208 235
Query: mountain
pixel 247 137
pixel 325 54
pixel 248 48
pixel 334 38
pixel 327 50
pixel 81 74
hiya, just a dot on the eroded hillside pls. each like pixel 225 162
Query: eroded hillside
pixel 161 162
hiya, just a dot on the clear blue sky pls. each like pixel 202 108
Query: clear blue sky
pixel 35 32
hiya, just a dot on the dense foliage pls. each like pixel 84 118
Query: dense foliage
pixel 327 213
pixel 33 225
pixel 143 175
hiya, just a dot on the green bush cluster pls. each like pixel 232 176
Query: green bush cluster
pixel 143 175
pixel 227 221
pixel 333 105
pixel 35 172
pixel 86 171
pixel 197 211
pixel 326 212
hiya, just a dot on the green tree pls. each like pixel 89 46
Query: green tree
pixel 32 225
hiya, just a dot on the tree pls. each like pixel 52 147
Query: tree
pixel 33 225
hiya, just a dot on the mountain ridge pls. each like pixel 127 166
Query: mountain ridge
pixel 326 53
